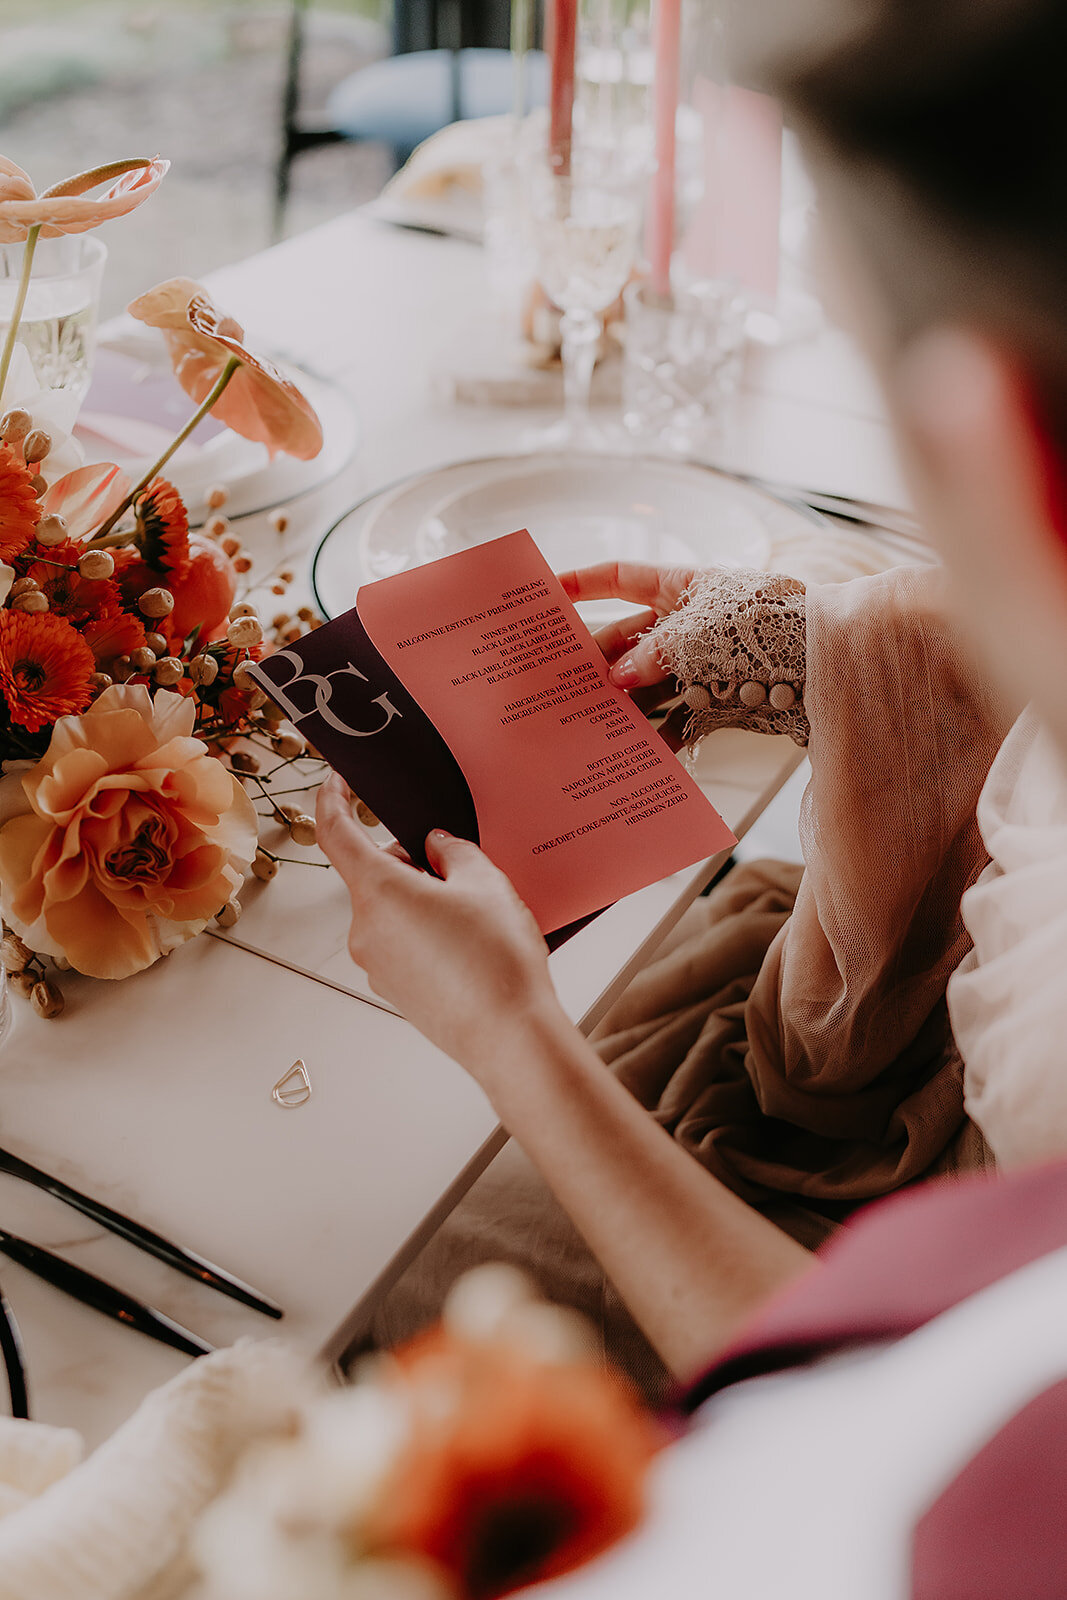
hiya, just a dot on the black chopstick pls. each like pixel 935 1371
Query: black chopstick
pixel 185 1261
pixel 101 1296
pixel 14 1360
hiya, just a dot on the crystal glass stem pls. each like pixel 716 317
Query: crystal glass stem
pixel 580 331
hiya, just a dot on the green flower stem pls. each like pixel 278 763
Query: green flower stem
pixel 20 301
pixel 227 373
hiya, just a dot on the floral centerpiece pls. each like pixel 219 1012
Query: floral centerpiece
pixel 491 1453
pixel 125 827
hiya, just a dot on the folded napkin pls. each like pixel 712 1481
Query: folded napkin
pixel 115 1526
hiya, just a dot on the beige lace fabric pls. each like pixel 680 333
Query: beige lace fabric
pixel 737 647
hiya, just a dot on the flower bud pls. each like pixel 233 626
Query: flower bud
pixel 51 530
pixel 279 521
pixel 168 671
pixel 101 681
pixel 22 586
pixel 242 563
pixel 31 600
pixel 365 815
pixel 22 983
pixel 217 496
pixel 288 745
pixel 215 527
pixel 306 614
pixel 242 676
pixel 15 425
pixel 38 484
pixel 244 761
pixel 245 632
pixel 287 576
pixel 15 954
pixel 229 914
pixel 46 998
pixel 302 830
pixel 36 445
pixel 242 609
pixel 231 545
pixel 96 564
pixel 156 603
pixel 256 700
pixel 143 659
pixel 273 713
pixel 121 669
pixel 203 670
pixel 157 643
pixel 264 867
pixel 280 620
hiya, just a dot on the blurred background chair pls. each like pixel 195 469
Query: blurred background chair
pixel 450 60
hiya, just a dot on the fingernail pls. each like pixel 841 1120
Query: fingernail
pixel 624 674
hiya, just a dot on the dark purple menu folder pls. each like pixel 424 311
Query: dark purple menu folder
pixel 361 719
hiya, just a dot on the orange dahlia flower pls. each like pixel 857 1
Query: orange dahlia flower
pixel 163 529
pixel 45 667
pixel 259 402
pixel 126 837
pixel 512 1472
pixel 113 632
pixel 20 511
pixel 69 594
pixel 65 207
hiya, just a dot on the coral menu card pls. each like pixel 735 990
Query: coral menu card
pixel 468 694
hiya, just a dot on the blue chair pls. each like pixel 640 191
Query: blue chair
pixel 402 100
pixel 450 61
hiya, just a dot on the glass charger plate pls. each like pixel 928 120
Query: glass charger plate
pixel 135 407
pixel 581 509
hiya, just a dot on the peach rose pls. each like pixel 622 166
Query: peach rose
pixel 125 839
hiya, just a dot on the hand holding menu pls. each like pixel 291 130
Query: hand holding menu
pixel 468 695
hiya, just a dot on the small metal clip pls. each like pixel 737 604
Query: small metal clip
pixel 293 1088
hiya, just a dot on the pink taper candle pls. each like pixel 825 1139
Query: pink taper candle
pixel 563 39
pixel 666 38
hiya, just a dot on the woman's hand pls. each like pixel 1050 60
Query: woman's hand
pixel 635 662
pixel 460 955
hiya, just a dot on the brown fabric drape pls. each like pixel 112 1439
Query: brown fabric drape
pixel 800 1049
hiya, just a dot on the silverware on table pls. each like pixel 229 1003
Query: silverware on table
pixel 93 1291
pixel 13 1359
pixel 182 1260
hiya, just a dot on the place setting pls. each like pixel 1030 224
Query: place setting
pixel 361 759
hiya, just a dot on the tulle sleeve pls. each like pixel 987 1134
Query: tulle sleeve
pixel 848 1035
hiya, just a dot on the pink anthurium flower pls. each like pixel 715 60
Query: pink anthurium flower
pixel 67 207
pixel 86 498
pixel 258 401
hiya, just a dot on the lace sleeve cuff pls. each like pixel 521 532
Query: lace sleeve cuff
pixel 737 645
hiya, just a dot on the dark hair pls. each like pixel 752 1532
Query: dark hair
pixel 943 125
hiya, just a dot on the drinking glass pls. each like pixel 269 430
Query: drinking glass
pixel 682 364
pixel 585 236
pixel 58 325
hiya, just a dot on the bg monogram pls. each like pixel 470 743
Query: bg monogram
pixel 323 694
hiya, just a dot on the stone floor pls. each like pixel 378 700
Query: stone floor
pixel 86 81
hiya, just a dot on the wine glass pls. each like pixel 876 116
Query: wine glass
pixel 585 228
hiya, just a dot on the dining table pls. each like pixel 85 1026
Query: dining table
pixel 154 1094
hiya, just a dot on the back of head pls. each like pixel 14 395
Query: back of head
pixel 944 124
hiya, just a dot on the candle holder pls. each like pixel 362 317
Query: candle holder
pixel 682 363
